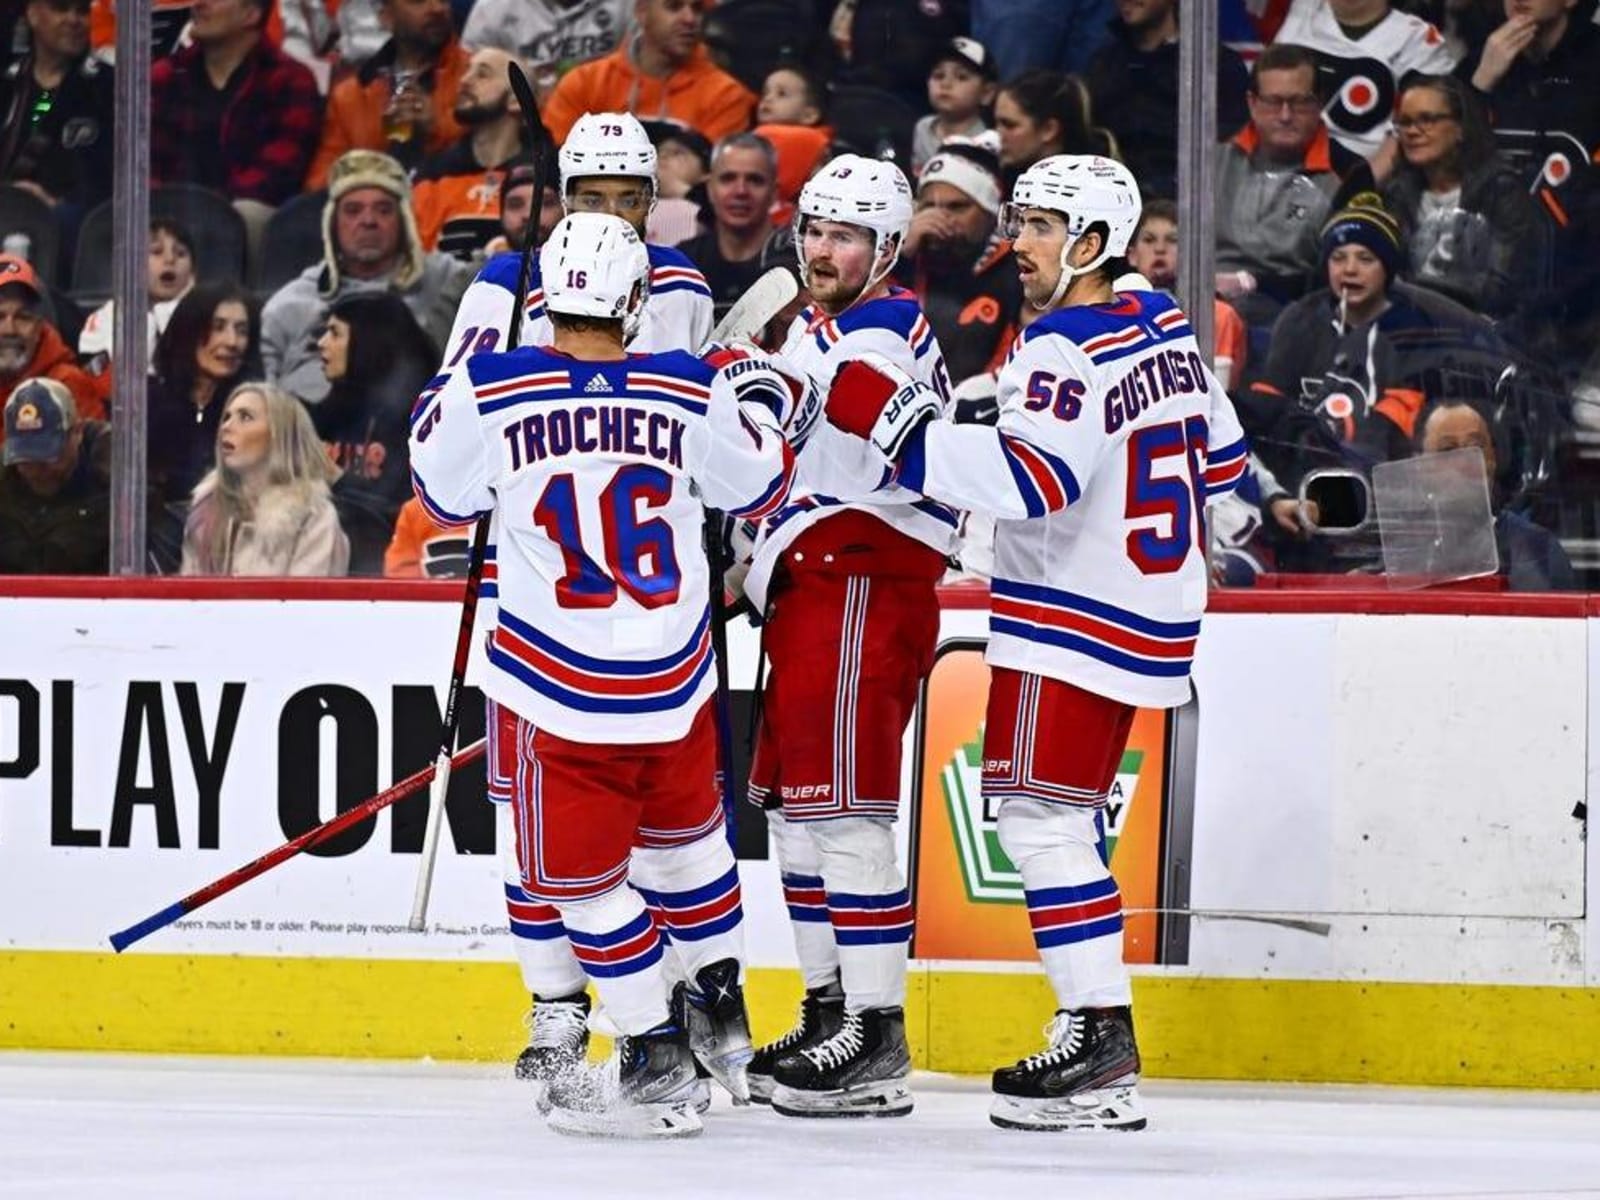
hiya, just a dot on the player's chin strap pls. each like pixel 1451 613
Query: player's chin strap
pixel 1069 272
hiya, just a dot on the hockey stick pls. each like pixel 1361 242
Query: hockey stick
pixel 121 940
pixel 764 299
pixel 438 793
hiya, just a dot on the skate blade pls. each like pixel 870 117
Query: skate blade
pixel 760 1088
pixel 891 1098
pixel 1112 1108
pixel 729 1070
pixel 629 1122
pixel 701 1096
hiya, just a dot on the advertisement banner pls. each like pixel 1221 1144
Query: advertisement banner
pixel 969 903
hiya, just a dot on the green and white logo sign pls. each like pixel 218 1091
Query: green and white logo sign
pixel 985 870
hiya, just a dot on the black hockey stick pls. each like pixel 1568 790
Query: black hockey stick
pixel 440 788
pixel 717 558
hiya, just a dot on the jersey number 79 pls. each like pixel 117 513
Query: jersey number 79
pixel 640 558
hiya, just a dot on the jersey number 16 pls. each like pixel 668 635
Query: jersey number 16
pixel 640 558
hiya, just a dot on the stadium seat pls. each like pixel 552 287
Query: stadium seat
pixel 872 121
pixel 216 230
pixel 293 241
pixel 21 212
pixel 748 38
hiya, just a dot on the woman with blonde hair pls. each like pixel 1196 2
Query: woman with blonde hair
pixel 265 508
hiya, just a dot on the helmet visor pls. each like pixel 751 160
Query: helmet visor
pixel 1014 219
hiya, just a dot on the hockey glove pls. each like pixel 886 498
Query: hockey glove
pixel 755 375
pixel 875 400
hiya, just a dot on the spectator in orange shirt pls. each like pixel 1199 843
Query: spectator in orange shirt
pixel 661 72
pixel 402 100
pixel 465 180
pixel 422 549
pixel 30 347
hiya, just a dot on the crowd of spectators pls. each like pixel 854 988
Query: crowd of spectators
pixel 1406 213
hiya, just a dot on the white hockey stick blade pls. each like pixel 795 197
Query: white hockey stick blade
pixel 765 299
pixel 629 1121
pixel 430 844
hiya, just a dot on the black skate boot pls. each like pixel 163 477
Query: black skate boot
pixel 1087 1078
pixel 713 1010
pixel 820 1015
pixel 862 1070
pixel 558 1041
pixel 646 1089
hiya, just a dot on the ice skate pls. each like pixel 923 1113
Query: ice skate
pixel 646 1089
pixel 821 1012
pixel 558 1042
pixel 862 1070
pixel 713 1010
pixel 1087 1078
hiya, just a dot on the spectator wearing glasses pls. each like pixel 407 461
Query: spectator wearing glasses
pixel 1276 179
pixel 1468 226
pixel 56 104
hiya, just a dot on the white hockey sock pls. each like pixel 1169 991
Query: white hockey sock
pixel 549 968
pixel 800 869
pixel 693 892
pixel 1073 903
pixel 615 939
pixel 869 908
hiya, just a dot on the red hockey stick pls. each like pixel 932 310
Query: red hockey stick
pixel 311 837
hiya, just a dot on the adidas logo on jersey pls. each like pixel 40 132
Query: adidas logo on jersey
pixel 597 383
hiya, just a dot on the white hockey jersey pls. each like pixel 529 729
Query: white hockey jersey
pixel 677 315
pixel 1362 78
pixel 1112 437
pixel 835 472
pixel 597 473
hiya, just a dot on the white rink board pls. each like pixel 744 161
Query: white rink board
pixel 64 897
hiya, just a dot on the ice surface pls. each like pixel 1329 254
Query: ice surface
pixel 127 1126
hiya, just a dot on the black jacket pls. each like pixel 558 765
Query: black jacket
pixel 69 152
pixel 367 431
pixel 973 308
pixel 68 533
pixel 1135 95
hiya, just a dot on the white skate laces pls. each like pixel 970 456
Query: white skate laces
pixel 1064 1036
pixel 556 1025
pixel 841 1047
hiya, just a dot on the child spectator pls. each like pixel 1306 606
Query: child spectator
pixel 170 276
pixel 961 86
pixel 55 491
pixel 264 508
pixel 792 117
pixel 376 359
pixel 683 162
pixel 1153 253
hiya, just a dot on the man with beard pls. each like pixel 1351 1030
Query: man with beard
pixel 402 101
pixel 55 490
pixel 464 181
pixel 370 244
pixel 30 347
pixel 743 182
pixel 957 263
pixel 56 107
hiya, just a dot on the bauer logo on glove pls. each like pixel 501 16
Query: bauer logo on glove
pixel 875 400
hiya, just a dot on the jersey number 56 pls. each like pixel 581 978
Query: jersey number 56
pixel 1169 505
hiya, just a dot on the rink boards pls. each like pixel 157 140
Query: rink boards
pixel 1353 859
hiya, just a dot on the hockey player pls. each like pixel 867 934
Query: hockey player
pixel 1112 437
pixel 848 590
pixel 596 462
pixel 607 164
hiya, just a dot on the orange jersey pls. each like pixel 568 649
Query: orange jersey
pixel 423 549
pixel 436 201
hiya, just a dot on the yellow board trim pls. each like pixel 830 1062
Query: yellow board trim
pixel 958 1021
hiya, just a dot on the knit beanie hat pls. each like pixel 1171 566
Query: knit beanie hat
pixel 969 167
pixel 370 169
pixel 1364 222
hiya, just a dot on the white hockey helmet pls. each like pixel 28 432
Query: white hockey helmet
pixel 595 265
pixel 858 191
pixel 1084 189
pixel 612 144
